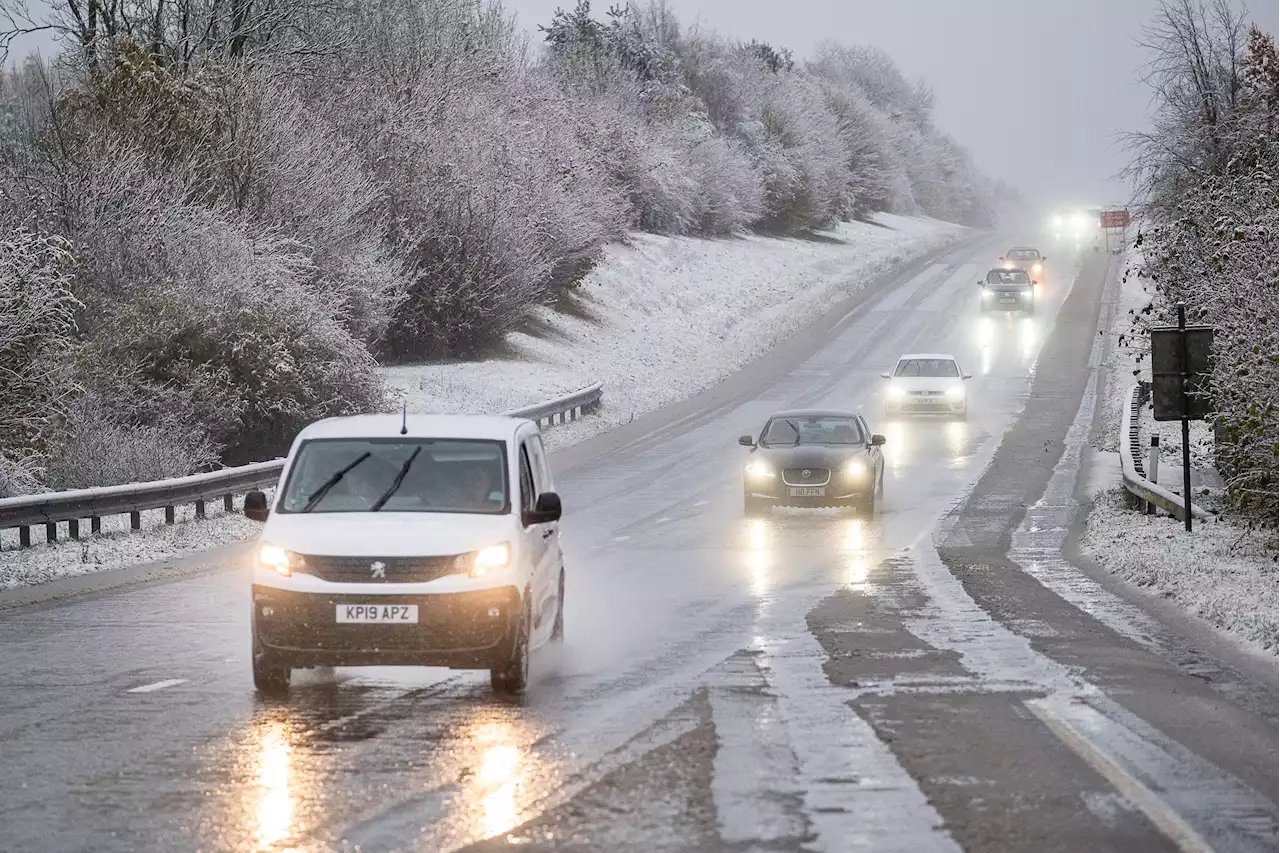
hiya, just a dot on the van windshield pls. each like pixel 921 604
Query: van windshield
pixel 398 475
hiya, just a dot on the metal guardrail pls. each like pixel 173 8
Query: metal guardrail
pixel 1131 466
pixel 71 507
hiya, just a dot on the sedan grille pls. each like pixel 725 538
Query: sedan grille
pixel 381 569
pixel 806 476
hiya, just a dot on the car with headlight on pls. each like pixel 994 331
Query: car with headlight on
pixel 1008 290
pixel 1024 258
pixel 414 540
pixel 813 458
pixel 927 383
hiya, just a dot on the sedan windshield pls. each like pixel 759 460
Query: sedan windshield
pixel 823 429
pixel 1023 255
pixel 942 367
pixel 1008 277
pixel 398 475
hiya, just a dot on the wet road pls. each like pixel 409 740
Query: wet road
pixel 940 678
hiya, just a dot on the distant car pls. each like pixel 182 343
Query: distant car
pixel 1008 290
pixel 430 540
pixel 927 383
pixel 813 458
pixel 1024 258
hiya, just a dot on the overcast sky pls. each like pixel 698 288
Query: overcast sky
pixel 1036 89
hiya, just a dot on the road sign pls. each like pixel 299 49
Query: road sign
pixel 1115 219
pixel 1179 377
pixel 1169 397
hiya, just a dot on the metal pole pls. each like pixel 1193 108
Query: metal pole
pixel 1186 422
pixel 1153 468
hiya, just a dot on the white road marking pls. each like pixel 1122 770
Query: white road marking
pixel 941 298
pixel 158 685
pixel 663 520
pixel 700 503
pixel 1165 819
pixel 898 298
pixel 621 538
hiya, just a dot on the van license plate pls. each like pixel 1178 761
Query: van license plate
pixel 378 614
pixel 808 492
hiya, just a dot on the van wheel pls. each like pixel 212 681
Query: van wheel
pixel 512 675
pixel 270 675
pixel 557 628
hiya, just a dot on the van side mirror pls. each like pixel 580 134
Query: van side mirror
pixel 545 510
pixel 255 506
pixel 746 441
pixel 877 440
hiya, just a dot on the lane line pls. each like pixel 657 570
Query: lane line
pixel 1165 819
pixel 158 685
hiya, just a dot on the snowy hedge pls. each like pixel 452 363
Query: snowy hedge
pixel 1210 173
pixel 221 220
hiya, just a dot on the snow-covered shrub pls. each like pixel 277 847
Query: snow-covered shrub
pixel 37 338
pixel 95 448
pixel 232 321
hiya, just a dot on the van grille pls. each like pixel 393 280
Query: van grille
pixel 392 569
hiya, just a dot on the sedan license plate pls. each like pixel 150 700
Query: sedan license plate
pixel 378 614
pixel 807 491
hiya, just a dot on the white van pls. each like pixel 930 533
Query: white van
pixel 426 540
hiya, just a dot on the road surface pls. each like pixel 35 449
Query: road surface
pixel 949 676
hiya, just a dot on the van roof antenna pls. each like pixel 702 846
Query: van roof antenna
pixel 404 417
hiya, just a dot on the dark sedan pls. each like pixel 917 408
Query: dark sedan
pixel 813 458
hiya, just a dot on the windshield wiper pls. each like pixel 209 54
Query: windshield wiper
pixel 796 430
pixel 395 484
pixel 318 495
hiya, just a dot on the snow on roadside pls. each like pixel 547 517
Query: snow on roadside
pixel 665 317
pixel 656 321
pixel 118 547
pixel 1220 572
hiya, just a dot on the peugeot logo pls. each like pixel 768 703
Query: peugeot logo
pixel 379 570
pixel 806 473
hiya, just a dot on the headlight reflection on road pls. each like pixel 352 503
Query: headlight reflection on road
pixel 986 339
pixel 759 555
pixel 854 544
pixel 275 803
pixel 895 444
pixel 1028 337
pixel 854 536
pixel 957 435
pixel 498 779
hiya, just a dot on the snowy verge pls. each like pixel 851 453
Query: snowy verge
pixel 657 321
pixel 117 546
pixel 663 318
pixel 1221 573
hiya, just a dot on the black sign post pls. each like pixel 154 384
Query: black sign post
pixel 1179 385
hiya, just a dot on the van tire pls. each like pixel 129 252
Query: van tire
pixel 270 675
pixel 512 674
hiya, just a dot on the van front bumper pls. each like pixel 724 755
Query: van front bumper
pixel 464 630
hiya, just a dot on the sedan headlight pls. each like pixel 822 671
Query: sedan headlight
pixel 759 469
pixel 895 392
pixel 956 392
pixel 856 469
pixel 495 558
pixel 274 557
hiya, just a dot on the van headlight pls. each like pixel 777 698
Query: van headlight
pixel 274 557
pixel 495 558
pixel 759 469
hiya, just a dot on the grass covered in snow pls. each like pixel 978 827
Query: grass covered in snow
pixel 657 320
pixel 665 317
pixel 118 547
pixel 1219 572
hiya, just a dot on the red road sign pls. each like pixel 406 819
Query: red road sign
pixel 1115 219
